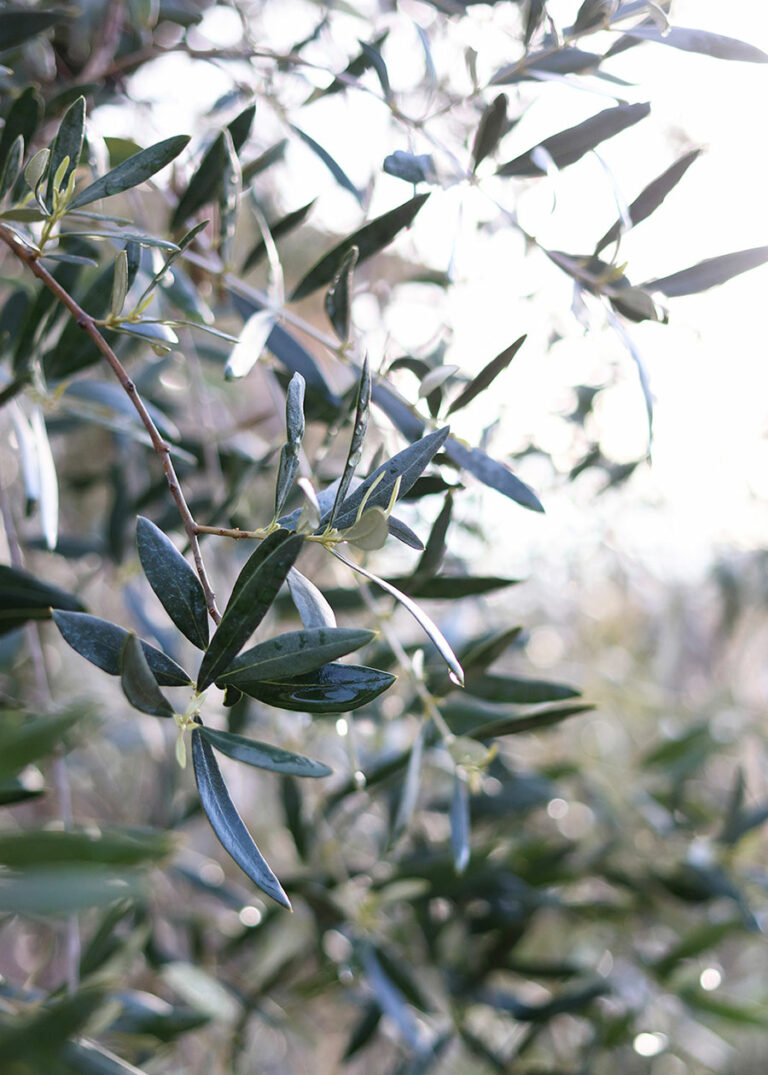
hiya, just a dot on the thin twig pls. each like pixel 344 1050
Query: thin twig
pixel 163 449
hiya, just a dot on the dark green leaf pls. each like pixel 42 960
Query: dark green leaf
pixel 240 127
pixel 369 240
pixel 389 998
pixel 406 465
pixel 230 179
pixel 695 943
pixel 107 847
pixel 567 61
pixel 205 183
pixel 293 654
pixel 702 41
pixel 356 66
pixel 28 785
pixel 338 298
pixel 264 755
pixel 375 59
pixel 709 273
pixel 333 167
pixel 490 129
pixel 651 197
pixel 492 473
pixel 570 145
pixel 101 643
pixel 460 824
pixel 450 587
pixel 12 166
pixel 332 688
pixel 487 375
pixel 24 597
pixel 357 439
pixel 739 1012
pixel 174 582
pixel 87 1057
pixel 253 594
pixel 432 557
pixel 34 738
pixel 281 227
pixel 533 17
pixel 139 685
pixel 137 169
pixel 427 624
pixel 292 802
pixel 294 427
pixel 512 689
pixel 227 823
pixel 265 160
pixel 363 1031
pixel 67 143
pixel 18 24
pixel 38 1037
pixel 398 529
pixel 63 890
pixel 546 717
pixel 21 119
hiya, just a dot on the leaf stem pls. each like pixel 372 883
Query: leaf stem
pixel 162 448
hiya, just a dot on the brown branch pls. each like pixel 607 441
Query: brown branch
pixel 87 324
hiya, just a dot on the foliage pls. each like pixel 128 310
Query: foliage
pixel 433 900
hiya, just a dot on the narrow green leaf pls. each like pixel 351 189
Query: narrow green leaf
pixel 357 66
pixel 490 129
pixel 294 427
pixel 650 197
pixel 67 145
pixel 331 164
pixel 227 823
pixel 547 717
pixel 570 145
pixel 230 181
pixel 283 226
pixel 450 587
pixel 293 653
pixel 487 375
pixel 739 1012
pixel 173 580
pixel 265 160
pixel 517 691
pixel 405 466
pixel 363 1031
pixel 357 439
pixel 36 170
pixel 111 846
pixel 492 473
pixel 376 60
pixel 432 557
pixel 18 24
pixel 101 643
pixel 427 624
pixel 48 890
pixel 332 688
pixel 709 273
pixel 138 683
pixel 12 166
pixel 21 120
pixel 369 240
pixel 137 169
pixel 460 824
pixel 264 755
pixel 591 14
pixel 23 597
pixel 34 738
pixel 695 943
pixel 565 61
pixel 253 594
pixel 240 127
pixel 338 298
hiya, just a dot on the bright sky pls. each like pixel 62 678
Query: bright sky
pixel 709 482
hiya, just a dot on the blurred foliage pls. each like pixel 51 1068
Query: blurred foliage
pixel 489 869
